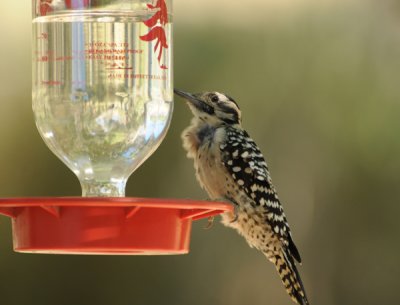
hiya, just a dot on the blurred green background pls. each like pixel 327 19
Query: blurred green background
pixel 318 84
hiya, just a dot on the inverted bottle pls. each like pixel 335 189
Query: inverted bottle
pixel 102 85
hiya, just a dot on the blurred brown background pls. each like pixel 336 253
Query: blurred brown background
pixel 318 84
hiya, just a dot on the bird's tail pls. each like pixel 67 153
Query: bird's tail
pixel 290 276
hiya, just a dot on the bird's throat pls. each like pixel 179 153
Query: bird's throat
pixel 205 133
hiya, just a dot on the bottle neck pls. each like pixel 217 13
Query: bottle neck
pixel 103 189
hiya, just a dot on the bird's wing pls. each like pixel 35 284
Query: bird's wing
pixel 246 164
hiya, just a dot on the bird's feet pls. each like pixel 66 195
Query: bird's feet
pixel 230 219
pixel 210 223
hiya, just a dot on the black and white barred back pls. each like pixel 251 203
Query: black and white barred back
pixel 245 163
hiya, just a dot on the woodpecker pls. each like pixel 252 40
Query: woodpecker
pixel 229 166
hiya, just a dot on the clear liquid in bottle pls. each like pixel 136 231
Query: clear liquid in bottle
pixel 102 92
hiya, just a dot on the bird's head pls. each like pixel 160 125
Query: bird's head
pixel 214 108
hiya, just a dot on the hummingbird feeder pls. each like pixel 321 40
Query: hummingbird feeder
pixel 102 96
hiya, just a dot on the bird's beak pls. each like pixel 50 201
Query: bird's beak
pixel 187 96
pixel 194 100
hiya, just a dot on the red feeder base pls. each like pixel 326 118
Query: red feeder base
pixel 105 225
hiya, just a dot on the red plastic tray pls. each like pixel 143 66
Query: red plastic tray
pixel 76 225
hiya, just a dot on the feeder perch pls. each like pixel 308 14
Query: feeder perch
pixel 127 226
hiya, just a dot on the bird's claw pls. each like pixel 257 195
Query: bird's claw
pixel 210 223
pixel 235 218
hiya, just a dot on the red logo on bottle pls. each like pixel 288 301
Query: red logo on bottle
pixel 157 23
pixel 45 7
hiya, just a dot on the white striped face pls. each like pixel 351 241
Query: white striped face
pixel 225 109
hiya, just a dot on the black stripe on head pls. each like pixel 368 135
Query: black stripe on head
pixel 205 108
pixel 227 109
pixel 232 100
pixel 233 118
pixel 233 121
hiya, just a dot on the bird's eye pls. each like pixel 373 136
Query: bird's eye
pixel 214 98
